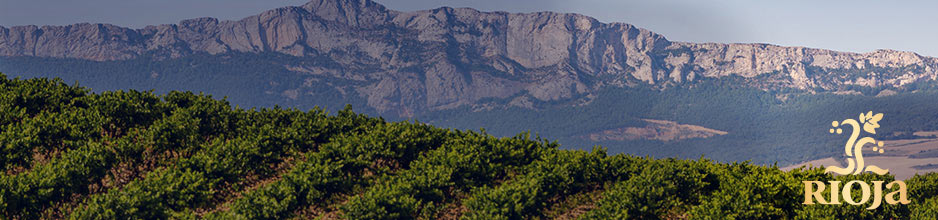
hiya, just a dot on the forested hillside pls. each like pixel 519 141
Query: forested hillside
pixel 566 76
pixel 70 153
pixel 764 126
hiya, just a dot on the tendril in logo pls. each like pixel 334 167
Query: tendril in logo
pixel 854 146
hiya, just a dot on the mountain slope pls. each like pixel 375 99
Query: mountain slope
pixel 406 63
pixel 564 76
pixel 71 154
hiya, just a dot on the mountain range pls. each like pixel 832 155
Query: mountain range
pixel 412 62
pixel 447 63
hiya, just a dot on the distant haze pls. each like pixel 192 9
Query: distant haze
pixel 854 25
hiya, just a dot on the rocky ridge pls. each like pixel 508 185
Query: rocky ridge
pixel 411 62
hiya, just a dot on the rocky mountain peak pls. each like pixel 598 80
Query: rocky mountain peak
pixel 198 22
pixel 444 58
pixel 351 12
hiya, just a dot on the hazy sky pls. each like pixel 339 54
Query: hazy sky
pixel 847 25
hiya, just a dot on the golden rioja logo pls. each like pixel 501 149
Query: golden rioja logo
pixel 856 165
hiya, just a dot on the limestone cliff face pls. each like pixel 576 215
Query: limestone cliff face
pixel 751 60
pixel 444 58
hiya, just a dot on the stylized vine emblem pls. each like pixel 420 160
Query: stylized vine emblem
pixel 854 147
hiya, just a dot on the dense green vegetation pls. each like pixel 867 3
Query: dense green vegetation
pixel 766 127
pixel 70 153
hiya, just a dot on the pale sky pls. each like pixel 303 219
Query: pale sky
pixel 845 25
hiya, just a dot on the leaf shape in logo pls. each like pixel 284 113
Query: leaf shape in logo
pixel 875 119
pixel 872 121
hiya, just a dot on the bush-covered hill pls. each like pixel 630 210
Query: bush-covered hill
pixel 69 153
pixel 761 125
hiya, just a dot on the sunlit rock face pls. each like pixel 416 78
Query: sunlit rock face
pixel 444 58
